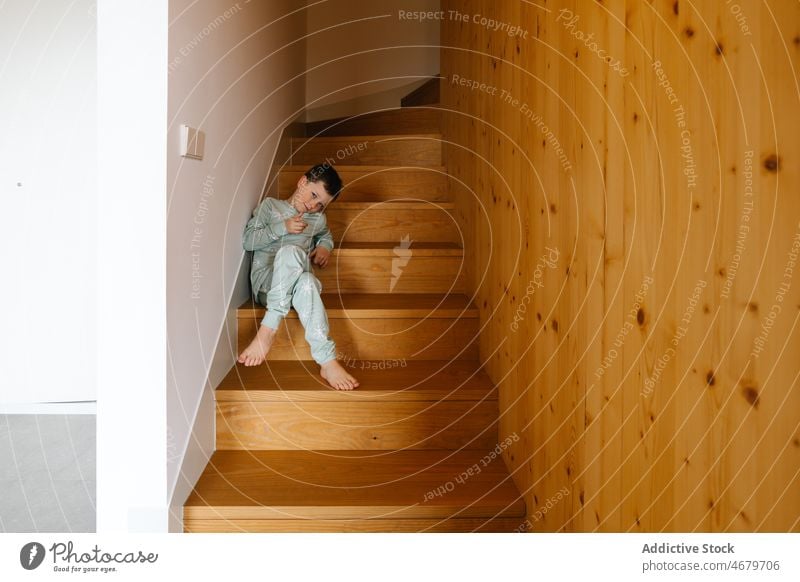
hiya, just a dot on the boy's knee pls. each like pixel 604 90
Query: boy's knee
pixel 290 252
pixel 307 281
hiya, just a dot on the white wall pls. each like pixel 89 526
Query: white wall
pixel 131 310
pixel 351 65
pixel 228 63
pixel 48 194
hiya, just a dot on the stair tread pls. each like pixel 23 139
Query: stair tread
pixel 378 245
pixel 384 248
pixel 406 380
pixel 389 121
pixel 373 137
pixel 365 168
pixel 353 484
pixel 393 205
pixel 370 305
pixel 425 525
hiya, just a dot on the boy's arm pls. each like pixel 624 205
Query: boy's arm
pixel 324 237
pixel 264 227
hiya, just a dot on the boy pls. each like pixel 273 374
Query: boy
pixel 281 274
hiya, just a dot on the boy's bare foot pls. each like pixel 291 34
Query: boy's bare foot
pixel 256 352
pixel 337 376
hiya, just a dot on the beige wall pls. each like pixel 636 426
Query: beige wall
pixel 238 71
pixel 629 365
pixel 353 67
pixel 235 72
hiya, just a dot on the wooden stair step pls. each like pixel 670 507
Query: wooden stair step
pixel 380 380
pixel 382 305
pixel 355 139
pixel 393 221
pixel 375 326
pixel 410 150
pixel 398 405
pixel 375 338
pixel 356 425
pixel 387 249
pixel 394 267
pixel 391 205
pixel 238 487
pixel 456 525
pixel 386 121
pixel 377 183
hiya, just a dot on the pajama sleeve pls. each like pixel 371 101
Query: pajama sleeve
pixel 264 227
pixel 324 237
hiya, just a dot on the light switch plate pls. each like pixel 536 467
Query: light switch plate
pixel 192 142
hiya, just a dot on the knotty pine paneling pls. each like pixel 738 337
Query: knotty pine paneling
pixel 652 372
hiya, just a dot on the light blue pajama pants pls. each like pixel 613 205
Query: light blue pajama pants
pixel 292 283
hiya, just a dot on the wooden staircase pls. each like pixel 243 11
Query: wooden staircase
pixel 415 447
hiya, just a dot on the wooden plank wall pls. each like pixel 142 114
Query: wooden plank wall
pixel 652 372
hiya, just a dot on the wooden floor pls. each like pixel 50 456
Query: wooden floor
pixel 414 448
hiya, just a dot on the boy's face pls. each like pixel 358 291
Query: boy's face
pixel 310 196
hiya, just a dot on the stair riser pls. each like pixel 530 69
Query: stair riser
pixel 384 224
pixel 387 274
pixel 379 185
pixel 375 338
pixel 396 121
pixel 410 381
pixel 359 151
pixel 356 425
pixel 427 94
pixel 498 525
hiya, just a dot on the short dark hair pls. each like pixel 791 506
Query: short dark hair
pixel 328 176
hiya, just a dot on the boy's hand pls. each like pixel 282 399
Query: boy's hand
pixel 320 256
pixel 295 224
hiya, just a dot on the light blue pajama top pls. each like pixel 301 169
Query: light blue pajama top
pixel 266 233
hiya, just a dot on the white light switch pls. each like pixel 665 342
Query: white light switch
pixel 192 142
